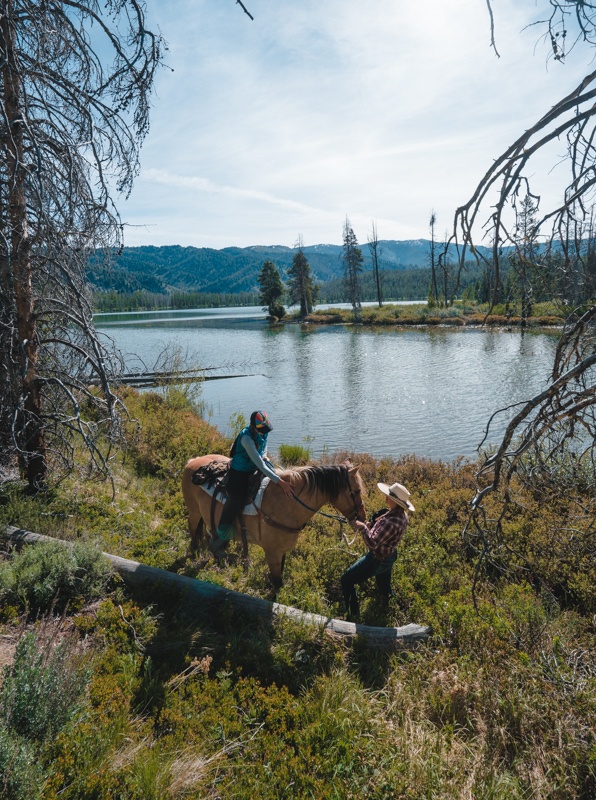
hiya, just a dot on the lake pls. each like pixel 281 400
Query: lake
pixel 388 392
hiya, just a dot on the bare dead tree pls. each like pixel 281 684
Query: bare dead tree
pixel 75 84
pixel 433 291
pixel 373 246
pixel 548 451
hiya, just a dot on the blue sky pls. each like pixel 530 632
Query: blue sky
pixel 269 129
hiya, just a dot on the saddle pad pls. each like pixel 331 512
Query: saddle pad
pixel 251 509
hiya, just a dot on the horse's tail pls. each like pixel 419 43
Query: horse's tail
pixel 191 501
pixel 196 538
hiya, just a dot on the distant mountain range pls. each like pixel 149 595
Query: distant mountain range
pixel 235 269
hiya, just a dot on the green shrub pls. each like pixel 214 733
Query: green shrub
pixel 50 575
pixel 166 434
pixel 21 777
pixel 44 687
pixel 293 455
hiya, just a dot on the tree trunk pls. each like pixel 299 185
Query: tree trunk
pixel 196 592
pixel 29 431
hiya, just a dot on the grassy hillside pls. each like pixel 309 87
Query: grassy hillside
pixel 162 702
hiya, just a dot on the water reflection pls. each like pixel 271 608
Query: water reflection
pixel 387 392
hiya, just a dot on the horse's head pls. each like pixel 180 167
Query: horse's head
pixel 340 485
pixel 349 501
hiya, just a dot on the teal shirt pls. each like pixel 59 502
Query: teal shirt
pixel 249 452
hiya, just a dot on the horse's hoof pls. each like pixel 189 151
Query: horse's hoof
pixel 218 548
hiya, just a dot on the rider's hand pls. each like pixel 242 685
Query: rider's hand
pixel 356 525
pixel 286 487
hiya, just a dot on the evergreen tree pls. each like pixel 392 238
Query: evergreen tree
pixel 433 292
pixel 523 261
pixel 272 290
pixel 301 288
pixel 353 260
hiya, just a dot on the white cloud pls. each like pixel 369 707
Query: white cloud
pixel 279 127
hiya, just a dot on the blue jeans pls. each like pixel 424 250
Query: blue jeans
pixel 363 569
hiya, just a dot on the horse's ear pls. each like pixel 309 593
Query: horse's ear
pixel 352 468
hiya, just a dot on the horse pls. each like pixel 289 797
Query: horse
pixel 278 523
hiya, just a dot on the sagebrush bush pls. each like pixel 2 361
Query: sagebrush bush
pixel 44 688
pixel 50 575
pixel 21 776
pixel 165 434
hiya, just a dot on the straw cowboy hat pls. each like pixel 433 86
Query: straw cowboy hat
pixel 398 493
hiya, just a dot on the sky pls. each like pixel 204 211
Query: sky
pixel 263 131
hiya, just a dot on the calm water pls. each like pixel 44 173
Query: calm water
pixel 385 392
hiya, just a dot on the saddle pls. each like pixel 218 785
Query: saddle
pixel 211 474
pixel 214 476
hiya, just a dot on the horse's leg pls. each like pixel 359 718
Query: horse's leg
pixel 244 542
pixel 275 563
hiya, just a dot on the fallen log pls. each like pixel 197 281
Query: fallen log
pixel 139 576
pixel 142 379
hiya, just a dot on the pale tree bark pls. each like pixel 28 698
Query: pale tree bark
pixel 67 122
pixel 373 245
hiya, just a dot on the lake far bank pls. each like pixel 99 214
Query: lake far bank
pixel 546 315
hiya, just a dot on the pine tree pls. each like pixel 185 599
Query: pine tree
pixel 301 288
pixel 433 290
pixel 353 260
pixel 272 289
pixel 523 262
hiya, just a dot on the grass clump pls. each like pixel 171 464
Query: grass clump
pixel 293 455
pixel 50 575
pixel 21 777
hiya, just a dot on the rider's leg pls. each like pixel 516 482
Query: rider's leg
pixel 237 487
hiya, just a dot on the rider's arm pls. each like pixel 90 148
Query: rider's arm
pixel 256 459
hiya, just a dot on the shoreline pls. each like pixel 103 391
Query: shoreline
pixel 473 321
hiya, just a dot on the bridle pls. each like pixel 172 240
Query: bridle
pixel 356 496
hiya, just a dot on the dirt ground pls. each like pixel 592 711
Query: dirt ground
pixel 8 643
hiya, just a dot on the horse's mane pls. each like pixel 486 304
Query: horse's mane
pixel 330 480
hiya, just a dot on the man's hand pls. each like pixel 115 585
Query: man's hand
pixel 356 525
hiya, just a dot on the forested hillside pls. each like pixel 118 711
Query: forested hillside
pixel 235 269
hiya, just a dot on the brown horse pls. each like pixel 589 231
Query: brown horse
pixel 278 523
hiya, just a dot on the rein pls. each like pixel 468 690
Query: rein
pixel 340 519
pixel 322 513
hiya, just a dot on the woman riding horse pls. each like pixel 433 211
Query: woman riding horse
pixel 249 456
pixel 280 519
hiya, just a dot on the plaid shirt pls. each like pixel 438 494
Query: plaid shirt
pixel 386 533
